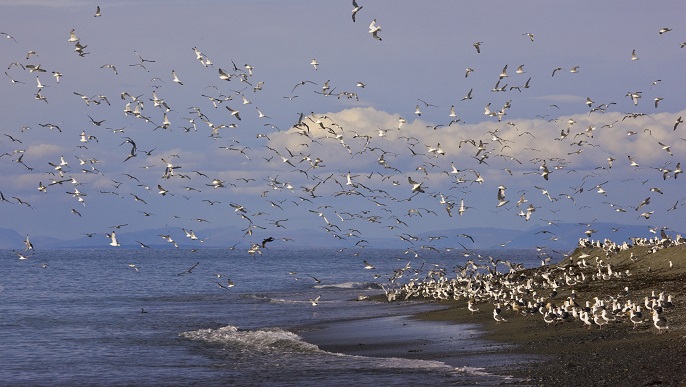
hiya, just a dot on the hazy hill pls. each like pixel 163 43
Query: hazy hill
pixel 561 237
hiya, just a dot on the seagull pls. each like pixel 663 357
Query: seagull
pixel 176 78
pixel 416 187
pixel 233 112
pixel 633 55
pixel 501 196
pixel 477 46
pixel 97 12
pixel 315 301
pixel 452 111
pixel 503 74
pixel 57 75
pixel 677 122
pixel 471 307
pixel 635 316
pixel 356 9
pixel 113 237
pixel 374 30
pixel 72 37
pixel 530 35
pixel 633 163
pixel 8 36
pixel 368 265
pixel 28 244
pixel 314 63
pixel 496 315
pixel 660 322
pixel 634 96
pixel 664 30
pixel 12 79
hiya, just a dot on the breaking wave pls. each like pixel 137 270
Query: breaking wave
pixel 266 340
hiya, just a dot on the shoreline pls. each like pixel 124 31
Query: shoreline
pixel 458 349
pixel 616 354
pixel 526 350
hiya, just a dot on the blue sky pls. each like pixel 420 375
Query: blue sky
pixel 420 62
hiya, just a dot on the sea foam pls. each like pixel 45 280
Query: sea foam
pixel 266 339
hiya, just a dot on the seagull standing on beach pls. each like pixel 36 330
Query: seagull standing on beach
pixel 471 307
pixel 496 315
pixel 660 322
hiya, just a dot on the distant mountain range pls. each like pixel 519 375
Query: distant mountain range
pixel 559 237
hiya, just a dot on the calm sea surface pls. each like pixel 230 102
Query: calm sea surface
pixel 125 316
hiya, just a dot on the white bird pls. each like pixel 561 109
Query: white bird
pixel 416 187
pixel 28 244
pixel 633 55
pixel 114 241
pixel 496 315
pixel 176 78
pixel 315 301
pixel 471 307
pixel 374 30
pixel 223 75
pixel 501 196
pixel 314 63
pixel 368 265
pixel 234 112
pixel 72 36
pixel 452 111
pixel 660 322
pixel 503 74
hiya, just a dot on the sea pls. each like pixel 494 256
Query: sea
pixel 121 316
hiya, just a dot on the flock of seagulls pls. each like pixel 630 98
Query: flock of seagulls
pixel 323 168
pixel 549 291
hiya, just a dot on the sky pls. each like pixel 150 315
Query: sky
pixel 334 146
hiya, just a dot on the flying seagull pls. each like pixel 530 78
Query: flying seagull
pixel 374 30
pixel 356 9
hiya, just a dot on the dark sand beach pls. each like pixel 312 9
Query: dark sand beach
pixel 528 351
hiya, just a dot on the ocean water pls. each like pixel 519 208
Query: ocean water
pixel 140 317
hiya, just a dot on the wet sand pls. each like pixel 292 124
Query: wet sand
pixel 459 346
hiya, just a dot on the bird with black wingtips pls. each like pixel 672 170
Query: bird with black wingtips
pixel 374 30
pixel 356 9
